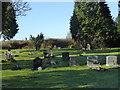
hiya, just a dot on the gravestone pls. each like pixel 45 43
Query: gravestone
pixel 111 60
pixel 54 46
pixel 88 47
pixel 39 68
pixel 65 56
pixel 72 62
pixel 59 47
pixel 92 61
pixel 37 62
pixel 50 55
pixel 9 56
pixel 17 51
pixel 45 54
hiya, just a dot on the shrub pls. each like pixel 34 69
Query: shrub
pixel 14 44
pixel 37 41
pixel 63 43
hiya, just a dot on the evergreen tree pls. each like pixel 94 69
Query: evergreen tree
pixel 9 25
pixel 37 41
pixel 83 22
pixel 10 10
pixel 108 28
pixel 92 23
pixel 119 17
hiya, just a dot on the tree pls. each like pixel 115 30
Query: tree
pixel 20 7
pixel 9 25
pixel 119 17
pixel 107 25
pixel 89 24
pixel 37 41
pixel 10 10
pixel 83 22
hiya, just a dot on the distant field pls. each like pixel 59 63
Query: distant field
pixel 59 75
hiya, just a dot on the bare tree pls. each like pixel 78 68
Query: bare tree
pixel 20 7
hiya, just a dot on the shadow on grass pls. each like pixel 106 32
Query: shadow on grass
pixel 63 79
pixel 22 63
pixel 81 60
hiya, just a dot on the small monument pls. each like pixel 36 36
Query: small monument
pixel 92 61
pixel 17 51
pixel 72 62
pixel 39 68
pixel 50 55
pixel 88 47
pixel 65 56
pixel 9 56
pixel 59 47
pixel 45 54
pixel 54 46
pixel 111 60
pixel 37 62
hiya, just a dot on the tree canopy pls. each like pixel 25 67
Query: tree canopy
pixel 92 23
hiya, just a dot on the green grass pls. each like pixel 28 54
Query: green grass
pixel 60 75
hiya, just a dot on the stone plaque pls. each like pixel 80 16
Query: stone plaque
pixel 92 61
pixel 72 62
pixel 111 60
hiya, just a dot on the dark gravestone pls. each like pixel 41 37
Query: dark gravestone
pixel 65 56
pixel 45 54
pixel 37 62
pixel 92 61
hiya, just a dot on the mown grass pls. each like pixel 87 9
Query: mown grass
pixel 59 75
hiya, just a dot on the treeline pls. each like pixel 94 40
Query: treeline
pixel 47 43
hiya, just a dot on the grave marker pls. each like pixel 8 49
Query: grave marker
pixel 37 62
pixel 72 62
pixel 111 60
pixel 65 56
pixel 92 61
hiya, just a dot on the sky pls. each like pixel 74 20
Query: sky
pixel 50 18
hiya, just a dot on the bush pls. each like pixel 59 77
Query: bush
pixel 14 44
pixel 48 43
pixel 63 43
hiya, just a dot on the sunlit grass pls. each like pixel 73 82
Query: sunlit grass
pixel 60 75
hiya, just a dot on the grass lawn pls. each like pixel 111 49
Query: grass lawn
pixel 59 75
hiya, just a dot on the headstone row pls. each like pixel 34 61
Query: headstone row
pixel 110 61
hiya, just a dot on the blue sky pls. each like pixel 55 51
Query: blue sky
pixel 50 18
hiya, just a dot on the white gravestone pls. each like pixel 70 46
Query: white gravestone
pixel 111 60
pixel 72 62
pixel 92 61
pixel 39 68
pixel 88 47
